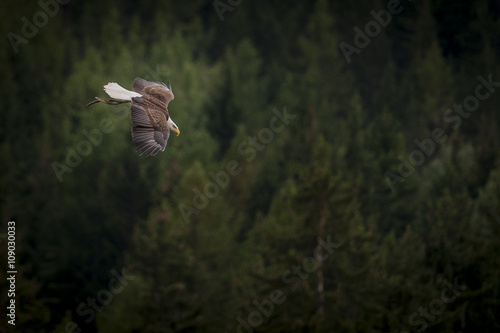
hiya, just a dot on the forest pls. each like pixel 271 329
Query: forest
pixel 337 168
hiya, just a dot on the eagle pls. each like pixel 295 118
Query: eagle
pixel 151 122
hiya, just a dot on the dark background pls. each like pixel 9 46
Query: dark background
pixel 238 256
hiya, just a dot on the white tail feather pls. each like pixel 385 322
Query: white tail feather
pixel 114 90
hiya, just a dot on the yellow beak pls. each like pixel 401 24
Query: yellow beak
pixel 176 130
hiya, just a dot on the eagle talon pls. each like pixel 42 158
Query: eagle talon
pixel 109 102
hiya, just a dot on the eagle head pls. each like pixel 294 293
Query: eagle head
pixel 172 126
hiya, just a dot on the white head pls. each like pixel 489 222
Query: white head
pixel 172 126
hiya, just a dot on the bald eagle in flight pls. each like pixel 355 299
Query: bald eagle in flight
pixel 151 123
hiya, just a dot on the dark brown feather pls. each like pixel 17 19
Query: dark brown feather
pixel 150 130
pixel 156 90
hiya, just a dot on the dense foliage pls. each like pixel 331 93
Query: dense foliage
pixel 338 166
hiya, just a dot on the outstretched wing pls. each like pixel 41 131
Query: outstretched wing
pixel 150 130
pixel 157 91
